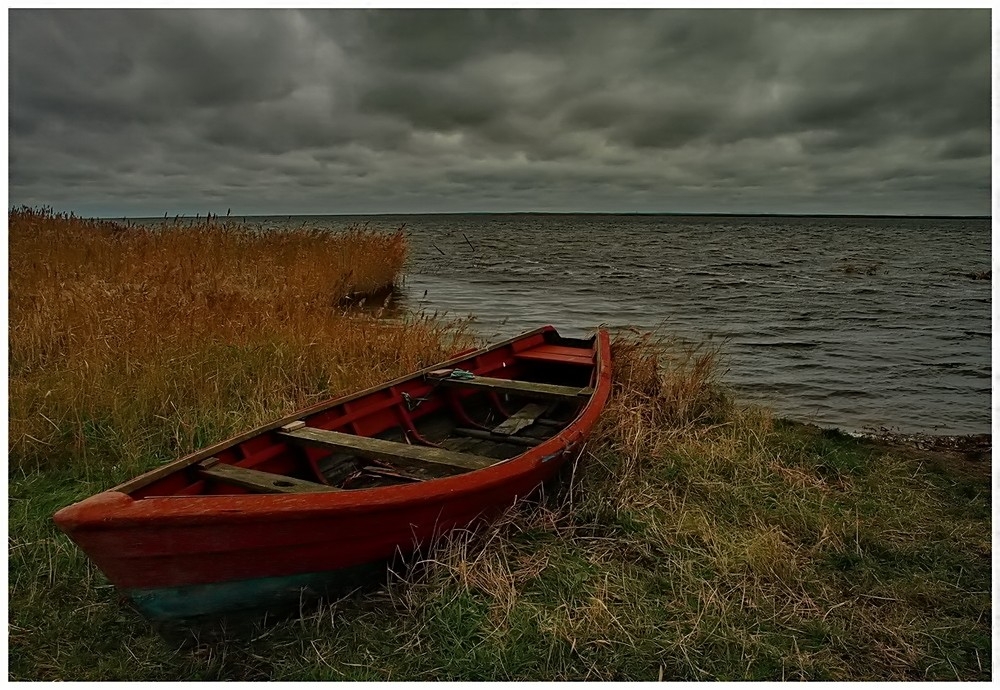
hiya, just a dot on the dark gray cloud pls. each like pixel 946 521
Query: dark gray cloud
pixel 145 112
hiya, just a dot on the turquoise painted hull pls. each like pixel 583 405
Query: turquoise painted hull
pixel 196 602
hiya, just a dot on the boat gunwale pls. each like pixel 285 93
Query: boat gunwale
pixel 115 508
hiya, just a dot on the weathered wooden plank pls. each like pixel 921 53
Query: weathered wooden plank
pixel 524 417
pixel 496 438
pixel 255 480
pixel 401 453
pixel 528 389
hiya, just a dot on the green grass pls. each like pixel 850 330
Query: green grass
pixel 691 542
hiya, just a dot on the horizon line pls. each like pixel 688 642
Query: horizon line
pixel 931 216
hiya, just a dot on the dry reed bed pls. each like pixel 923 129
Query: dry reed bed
pixel 128 344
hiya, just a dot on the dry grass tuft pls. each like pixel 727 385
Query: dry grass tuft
pixel 664 389
pixel 676 384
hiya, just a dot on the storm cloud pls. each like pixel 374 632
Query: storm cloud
pixel 142 112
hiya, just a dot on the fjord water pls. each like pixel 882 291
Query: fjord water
pixel 846 322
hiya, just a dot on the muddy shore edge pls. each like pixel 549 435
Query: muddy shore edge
pixel 968 454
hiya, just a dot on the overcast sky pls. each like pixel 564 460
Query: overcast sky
pixel 147 112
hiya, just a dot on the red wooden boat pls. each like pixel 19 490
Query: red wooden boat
pixel 292 505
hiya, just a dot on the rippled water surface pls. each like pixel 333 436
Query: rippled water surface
pixel 847 322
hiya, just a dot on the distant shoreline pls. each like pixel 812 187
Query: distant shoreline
pixel 571 213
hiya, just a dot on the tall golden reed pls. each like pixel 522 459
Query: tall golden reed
pixel 133 344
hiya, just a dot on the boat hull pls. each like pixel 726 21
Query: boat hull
pixel 190 603
pixel 179 557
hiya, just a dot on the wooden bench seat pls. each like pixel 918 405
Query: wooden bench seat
pixel 558 353
pixel 423 457
pixel 529 389
pixel 521 419
pixel 257 481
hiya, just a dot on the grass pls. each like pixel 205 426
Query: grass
pixel 130 345
pixel 695 539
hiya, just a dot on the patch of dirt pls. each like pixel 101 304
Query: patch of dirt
pixel 970 456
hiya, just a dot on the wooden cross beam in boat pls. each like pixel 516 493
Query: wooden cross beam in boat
pixel 424 457
pixel 521 419
pixel 528 389
pixel 506 430
pixel 255 480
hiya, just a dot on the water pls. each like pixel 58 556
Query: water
pixel 845 322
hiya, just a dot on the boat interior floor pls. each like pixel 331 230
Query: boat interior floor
pixel 473 422
pixel 498 438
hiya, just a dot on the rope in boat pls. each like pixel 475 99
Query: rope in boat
pixel 411 402
pixel 460 374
